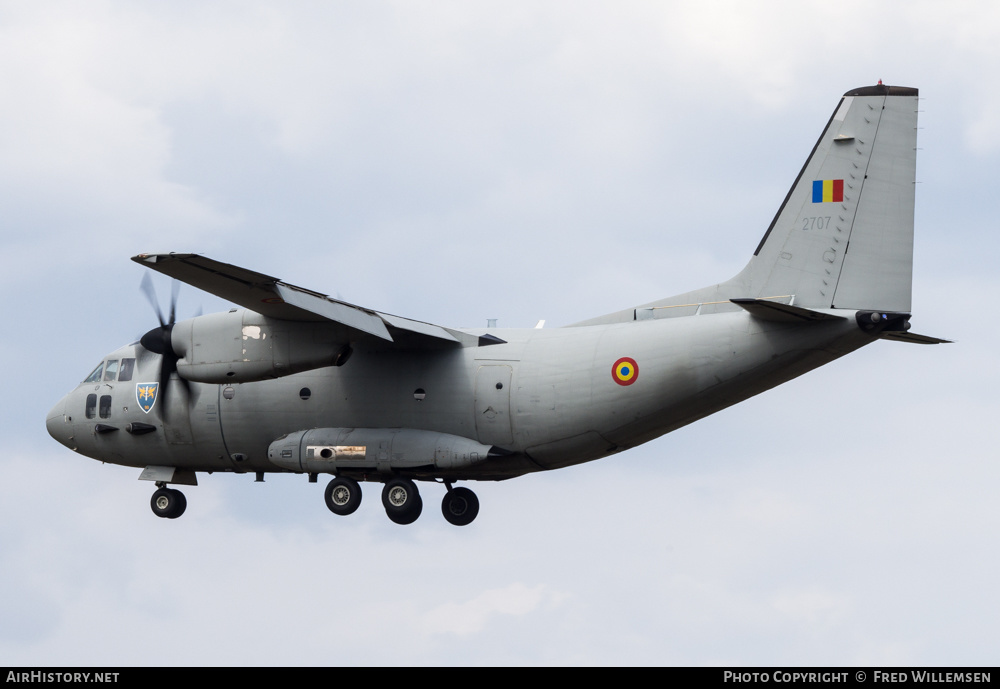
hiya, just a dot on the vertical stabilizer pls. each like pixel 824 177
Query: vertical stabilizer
pixel 844 235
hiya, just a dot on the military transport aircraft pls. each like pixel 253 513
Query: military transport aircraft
pixel 295 381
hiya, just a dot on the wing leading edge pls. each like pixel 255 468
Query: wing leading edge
pixel 269 296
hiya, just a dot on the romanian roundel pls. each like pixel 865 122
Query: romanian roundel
pixel 625 371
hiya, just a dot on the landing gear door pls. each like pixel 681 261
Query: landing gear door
pixel 493 405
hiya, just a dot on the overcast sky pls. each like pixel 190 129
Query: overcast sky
pixel 453 162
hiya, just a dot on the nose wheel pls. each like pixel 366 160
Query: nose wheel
pixel 168 503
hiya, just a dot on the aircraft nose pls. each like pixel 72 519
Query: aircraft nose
pixel 57 424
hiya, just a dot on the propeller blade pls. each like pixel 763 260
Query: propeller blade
pixel 166 363
pixel 147 288
pixel 168 366
pixel 157 341
pixel 175 288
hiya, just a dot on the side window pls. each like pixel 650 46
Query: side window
pixel 91 404
pixel 128 365
pixel 105 406
pixel 95 376
pixel 111 370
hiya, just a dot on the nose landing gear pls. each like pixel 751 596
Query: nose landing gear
pixel 168 503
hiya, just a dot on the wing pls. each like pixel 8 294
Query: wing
pixel 269 296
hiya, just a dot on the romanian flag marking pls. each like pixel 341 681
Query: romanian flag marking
pixel 625 371
pixel 825 190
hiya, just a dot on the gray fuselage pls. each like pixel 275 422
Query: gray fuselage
pixel 546 398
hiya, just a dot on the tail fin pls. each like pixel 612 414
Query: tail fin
pixel 843 236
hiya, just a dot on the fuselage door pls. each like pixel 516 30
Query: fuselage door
pixel 493 405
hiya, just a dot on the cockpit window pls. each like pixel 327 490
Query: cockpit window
pixel 111 370
pixel 128 365
pixel 95 376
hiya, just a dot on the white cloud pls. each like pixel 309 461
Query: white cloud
pixel 814 607
pixel 473 615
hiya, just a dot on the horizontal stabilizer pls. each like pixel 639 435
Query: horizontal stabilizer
pixel 912 337
pixel 767 310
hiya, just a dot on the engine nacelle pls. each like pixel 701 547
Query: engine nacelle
pixel 243 346
pixel 329 450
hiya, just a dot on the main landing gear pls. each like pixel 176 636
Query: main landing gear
pixel 168 503
pixel 401 500
pixel 343 495
pixel 460 506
